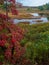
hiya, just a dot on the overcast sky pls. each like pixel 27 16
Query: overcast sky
pixel 33 2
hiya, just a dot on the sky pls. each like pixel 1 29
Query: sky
pixel 33 2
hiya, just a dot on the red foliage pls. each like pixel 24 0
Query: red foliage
pixel 1 63
pixel 4 36
pixel 13 52
pixel 4 17
pixel 1 27
pixel 8 54
pixel 13 8
pixel 14 12
pixel 2 43
pixel 13 1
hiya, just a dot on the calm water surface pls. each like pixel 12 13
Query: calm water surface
pixel 32 21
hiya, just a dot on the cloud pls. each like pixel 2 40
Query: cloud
pixel 33 2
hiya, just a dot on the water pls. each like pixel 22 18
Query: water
pixel 34 14
pixel 32 21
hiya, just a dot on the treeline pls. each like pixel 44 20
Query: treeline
pixel 44 7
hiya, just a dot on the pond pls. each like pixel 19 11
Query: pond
pixel 35 14
pixel 32 21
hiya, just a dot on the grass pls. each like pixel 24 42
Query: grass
pixel 24 13
pixel 36 41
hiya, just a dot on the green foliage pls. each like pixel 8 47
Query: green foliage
pixel 23 41
pixel 3 6
pixel 37 44
pixel 41 7
pixel 29 9
pixel 1 55
pixel 44 7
